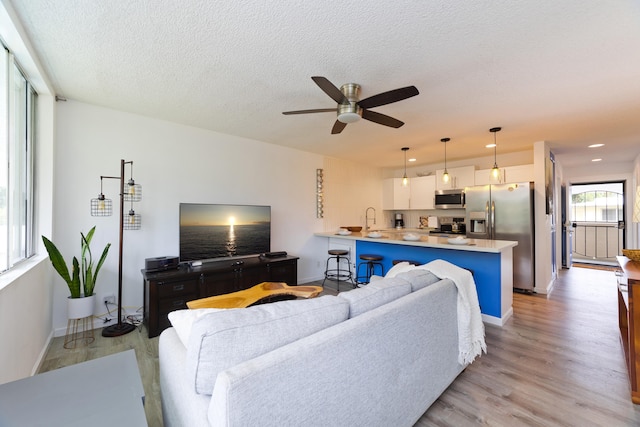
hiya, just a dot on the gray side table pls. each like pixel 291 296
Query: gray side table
pixel 101 392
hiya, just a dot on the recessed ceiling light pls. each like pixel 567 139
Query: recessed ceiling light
pixel 490 145
pixel 412 160
pixel 595 145
pixel 596 160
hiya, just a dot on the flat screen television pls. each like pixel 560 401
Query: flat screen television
pixel 210 231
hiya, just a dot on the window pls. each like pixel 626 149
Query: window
pixel 602 203
pixel 17 116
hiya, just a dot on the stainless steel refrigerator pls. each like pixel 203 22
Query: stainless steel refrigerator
pixel 505 212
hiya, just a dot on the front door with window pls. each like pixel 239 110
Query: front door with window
pixel 597 212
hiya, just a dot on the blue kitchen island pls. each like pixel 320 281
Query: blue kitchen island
pixel 491 262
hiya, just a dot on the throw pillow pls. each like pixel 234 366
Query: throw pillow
pixel 182 320
pixel 400 267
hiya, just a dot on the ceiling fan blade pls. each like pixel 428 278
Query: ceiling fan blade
pixel 382 119
pixel 389 97
pixel 330 89
pixel 317 110
pixel 338 126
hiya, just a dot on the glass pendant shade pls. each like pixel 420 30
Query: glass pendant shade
pixel 405 180
pixel 445 175
pixel 495 172
pixel 101 206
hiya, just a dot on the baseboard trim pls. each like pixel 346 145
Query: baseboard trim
pixel 498 321
pixel 42 355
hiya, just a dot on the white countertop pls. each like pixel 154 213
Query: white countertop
pixel 427 241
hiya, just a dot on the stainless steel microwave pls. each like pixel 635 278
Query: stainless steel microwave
pixel 449 199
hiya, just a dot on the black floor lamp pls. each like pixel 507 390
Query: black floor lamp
pixel 102 206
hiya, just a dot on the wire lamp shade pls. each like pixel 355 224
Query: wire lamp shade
pixel 132 192
pixel 132 221
pixel 101 206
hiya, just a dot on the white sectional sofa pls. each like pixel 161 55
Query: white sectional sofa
pixel 375 356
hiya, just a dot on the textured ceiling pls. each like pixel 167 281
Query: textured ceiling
pixel 567 72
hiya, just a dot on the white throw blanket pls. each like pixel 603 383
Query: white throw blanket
pixel 470 327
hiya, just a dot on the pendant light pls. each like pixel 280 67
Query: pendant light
pixel 445 175
pixel 495 172
pixel 101 206
pixel 405 180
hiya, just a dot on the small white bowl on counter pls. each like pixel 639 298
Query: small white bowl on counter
pixel 411 237
pixel 374 234
pixel 343 232
pixel 458 240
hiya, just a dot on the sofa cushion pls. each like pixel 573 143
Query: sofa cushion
pixel 182 320
pixel 226 338
pixel 419 278
pixel 375 294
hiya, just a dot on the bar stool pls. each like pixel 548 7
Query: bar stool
pixel 369 262
pixel 337 273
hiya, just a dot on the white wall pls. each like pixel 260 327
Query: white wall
pixel 543 223
pixel 174 164
pixel 349 190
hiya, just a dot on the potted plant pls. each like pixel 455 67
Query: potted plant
pixel 82 280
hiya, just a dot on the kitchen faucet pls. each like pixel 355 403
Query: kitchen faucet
pixel 366 218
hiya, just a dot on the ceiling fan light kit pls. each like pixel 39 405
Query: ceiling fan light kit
pixel 350 108
pixel 350 112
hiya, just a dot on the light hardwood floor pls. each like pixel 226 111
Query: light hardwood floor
pixel 557 362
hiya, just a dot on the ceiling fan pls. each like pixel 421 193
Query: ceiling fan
pixel 350 108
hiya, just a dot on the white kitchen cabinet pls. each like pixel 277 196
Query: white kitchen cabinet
pixel 459 178
pixel 394 195
pixel 422 191
pixel 418 194
pixel 484 177
pixel 520 173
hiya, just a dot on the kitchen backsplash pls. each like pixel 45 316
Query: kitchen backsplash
pixel 412 218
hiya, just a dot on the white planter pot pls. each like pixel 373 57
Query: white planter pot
pixel 78 308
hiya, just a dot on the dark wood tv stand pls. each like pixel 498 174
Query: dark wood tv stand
pixel 170 290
